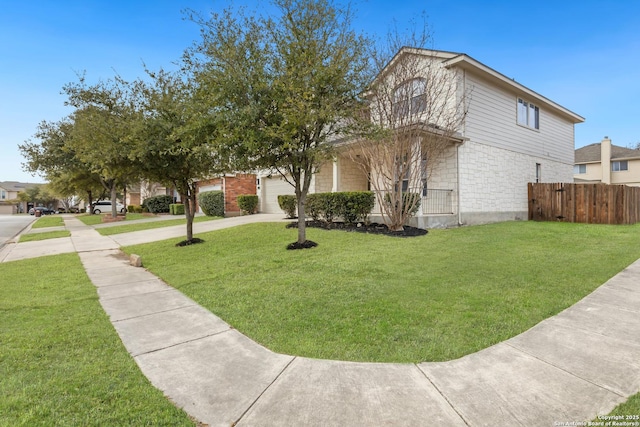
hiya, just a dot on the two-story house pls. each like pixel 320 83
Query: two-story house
pixel 9 203
pixel 607 163
pixel 509 136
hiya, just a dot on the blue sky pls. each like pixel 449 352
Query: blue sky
pixel 584 55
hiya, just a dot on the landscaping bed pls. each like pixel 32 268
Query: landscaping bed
pixel 360 227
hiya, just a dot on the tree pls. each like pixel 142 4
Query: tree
pixel 100 137
pixel 174 138
pixel 282 87
pixel 415 110
pixel 55 160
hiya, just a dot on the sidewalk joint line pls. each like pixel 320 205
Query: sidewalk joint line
pixel 564 370
pixel 264 391
pixel 181 343
pixel 442 394
pixel 155 312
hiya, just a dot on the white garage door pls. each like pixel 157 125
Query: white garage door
pixel 271 189
pixel 206 188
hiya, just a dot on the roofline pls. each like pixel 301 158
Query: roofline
pixel 466 62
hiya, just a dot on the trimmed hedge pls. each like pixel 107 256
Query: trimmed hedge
pixel 135 209
pixel 212 203
pixel 248 203
pixel 176 209
pixel 351 206
pixel 158 204
pixel 288 204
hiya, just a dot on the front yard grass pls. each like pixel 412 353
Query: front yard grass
pixel 44 236
pixel 48 221
pixel 128 228
pixel 382 299
pixel 61 362
pixel 89 219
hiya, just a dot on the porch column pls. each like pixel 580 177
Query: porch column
pixel 336 175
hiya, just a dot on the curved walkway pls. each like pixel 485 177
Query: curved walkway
pixel 567 369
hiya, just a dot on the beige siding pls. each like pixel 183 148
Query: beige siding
pixel 491 120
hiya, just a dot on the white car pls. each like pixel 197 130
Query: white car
pixel 104 206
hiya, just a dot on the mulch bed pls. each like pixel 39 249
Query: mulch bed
pixel 372 228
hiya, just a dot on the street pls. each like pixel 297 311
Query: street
pixel 10 225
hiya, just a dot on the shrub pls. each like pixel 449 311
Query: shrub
pixel 313 206
pixel 176 209
pixel 352 206
pixel 131 208
pixel 248 203
pixel 138 209
pixel 158 204
pixel 212 203
pixel 288 204
pixel 355 206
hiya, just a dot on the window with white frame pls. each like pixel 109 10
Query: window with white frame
pixel 578 169
pixel 410 98
pixel 528 114
pixel 619 166
pixel 3 195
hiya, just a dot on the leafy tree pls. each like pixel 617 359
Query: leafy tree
pixel 174 139
pixel 282 87
pixel 100 137
pixel 53 158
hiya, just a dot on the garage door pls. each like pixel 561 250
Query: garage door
pixel 206 188
pixel 271 189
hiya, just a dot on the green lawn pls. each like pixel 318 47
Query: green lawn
pixel 630 407
pixel 381 299
pixel 44 236
pixel 128 228
pixel 48 221
pixel 61 362
pixel 89 219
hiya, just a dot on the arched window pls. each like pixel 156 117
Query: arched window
pixel 410 98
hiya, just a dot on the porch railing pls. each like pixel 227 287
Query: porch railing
pixel 437 201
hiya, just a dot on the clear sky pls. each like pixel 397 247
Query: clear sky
pixel 582 54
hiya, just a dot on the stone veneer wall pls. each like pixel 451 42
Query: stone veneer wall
pixel 493 182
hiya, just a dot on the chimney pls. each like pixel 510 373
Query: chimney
pixel 605 160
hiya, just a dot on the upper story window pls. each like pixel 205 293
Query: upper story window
pixel 577 169
pixel 3 195
pixel 410 98
pixel 528 114
pixel 618 166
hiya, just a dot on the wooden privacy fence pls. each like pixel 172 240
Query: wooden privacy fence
pixel 587 203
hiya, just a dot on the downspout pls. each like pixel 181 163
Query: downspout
pixel 458 183
pixel 464 135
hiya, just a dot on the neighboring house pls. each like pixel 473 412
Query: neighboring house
pixel 137 194
pixel 9 203
pixel 510 136
pixel 233 185
pixel 607 163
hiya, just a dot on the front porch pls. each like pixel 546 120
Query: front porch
pixel 439 201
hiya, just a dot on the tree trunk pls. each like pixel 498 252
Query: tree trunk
pixel 90 195
pixel 189 212
pixel 114 208
pixel 302 224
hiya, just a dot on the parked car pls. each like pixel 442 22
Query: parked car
pixel 43 210
pixel 104 206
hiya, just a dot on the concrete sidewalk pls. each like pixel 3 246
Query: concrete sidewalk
pixel 569 368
